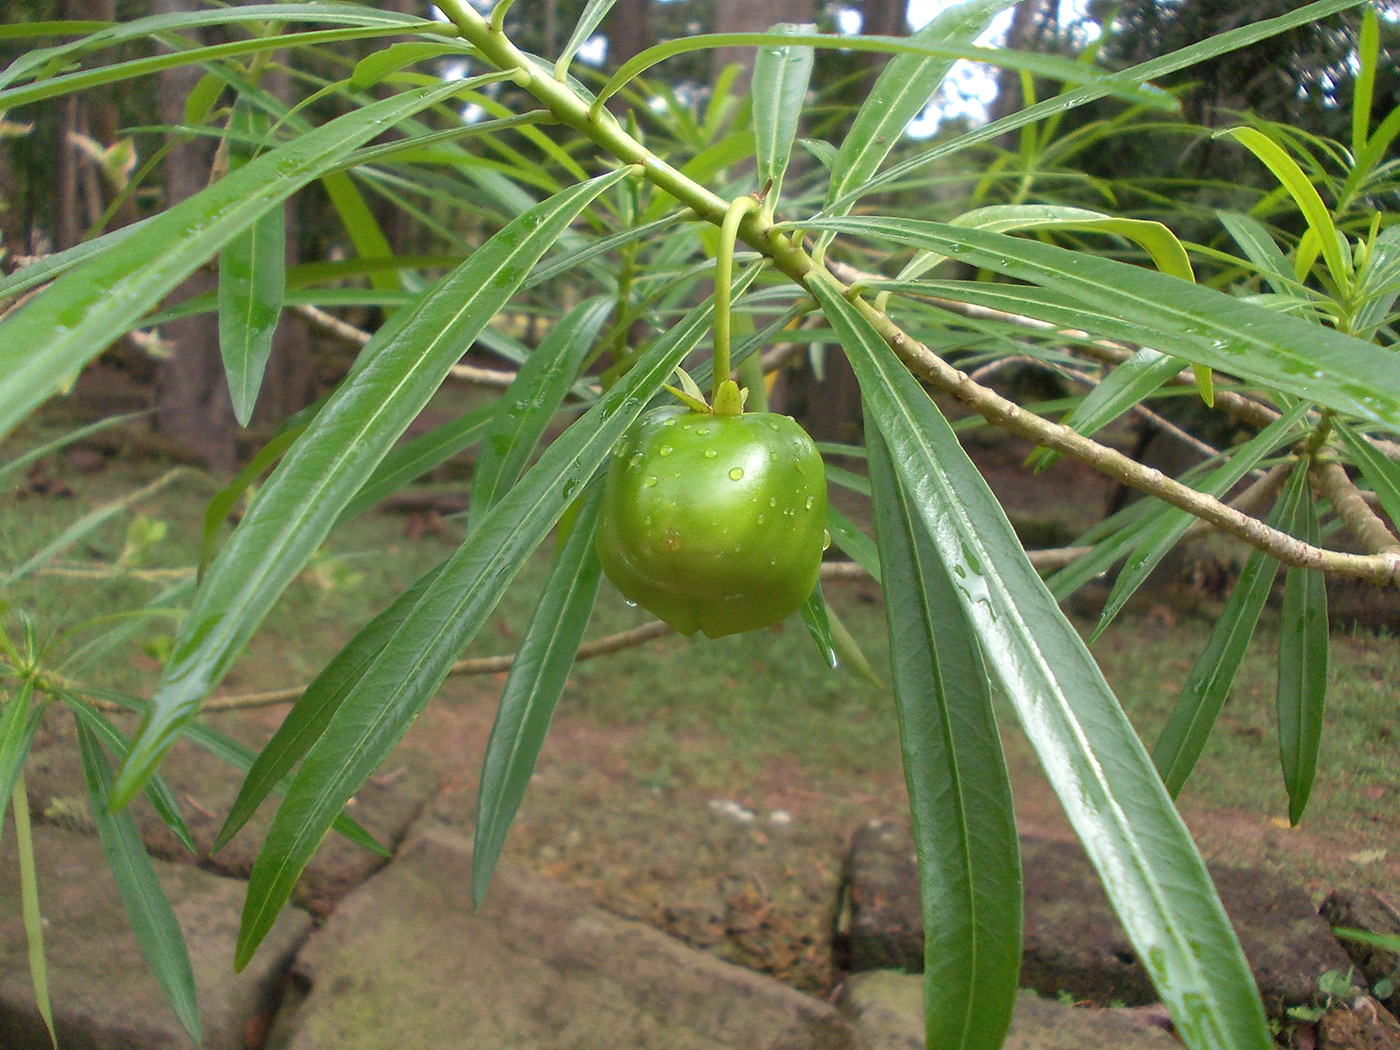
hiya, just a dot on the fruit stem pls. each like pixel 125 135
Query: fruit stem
pixel 724 276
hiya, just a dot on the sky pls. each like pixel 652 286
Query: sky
pixel 970 87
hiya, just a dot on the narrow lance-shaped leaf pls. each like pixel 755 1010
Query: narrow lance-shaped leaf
pixel 902 89
pixel 19 719
pixel 593 14
pixel 778 90
pixel 523 413
pixel 1092 756
pixel 162 799
pixel 959 790
pixel 533 686
pixel 152 919
pixel 1200 324
pixel 815 616
pixel 1183 738
pixel 1168 527
pixel 322 472
pixel 29 907
pixel 47 340
pixel 1304 194
pixel 392 691
pixel 414 458
pixel 252 277
pixel 1302 655
pixel 1382 474
pixel 1126 386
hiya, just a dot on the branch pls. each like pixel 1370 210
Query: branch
pixel 792 260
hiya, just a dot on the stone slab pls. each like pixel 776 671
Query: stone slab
pixel 887 1011
pixel 206 788
pixel 103 994
pixel 1074 941
pixel 405 962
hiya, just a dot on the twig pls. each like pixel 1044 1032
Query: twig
pixel 1346 499
pixel 343 330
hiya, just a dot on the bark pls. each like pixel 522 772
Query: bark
pixel 628 28
pixel 192 400
pixel 1033 18
pixel 751 16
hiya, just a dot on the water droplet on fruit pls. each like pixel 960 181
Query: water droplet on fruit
pixel 665 450
pixel 650 481
pixel 710 453
pixel 810 500
pixel 735 473
pixel 670 422
pixel 704 432
pixel 761 518
pixel 629 602
pixel 773 426
pixel 772 501
pixel 636 458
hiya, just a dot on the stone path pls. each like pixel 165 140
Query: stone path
pixel 402 960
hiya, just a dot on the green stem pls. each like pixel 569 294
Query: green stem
pixel 724 277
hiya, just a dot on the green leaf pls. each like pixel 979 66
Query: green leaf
pixel 524 411
pixel 1093 758
pixel 1389 941
pixel 365 233
pixel 1183 739
pixel 1254 240
pixel 252 277
pixel 221 504
pixel 29 907
pixel 47 340
pixel 1126 386
pixel 959 790
pixel 779 91
pixel 1368 52
pixel 1199 324
pixel 394 379
pixel 847 536
pixel 533 686
pixel 221 747
pixel 1382 474
pixel 148 910
pixel 1171 523
pixel 849 650
pixel 1302 654
pixel 415 458
pixel 593 14
pixel 375 67
pixel 1304 194
pixel 902 89
pixel 814 615
pixel 162 799
pixel 1167 252
pixel 19 719
pixel 1053 66
pixel 392 691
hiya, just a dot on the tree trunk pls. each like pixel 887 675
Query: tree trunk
pixel 628 29
pixel 751 16
pixel 192 399
pixel 1028 27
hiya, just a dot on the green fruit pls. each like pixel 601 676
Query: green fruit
pixel 714 522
